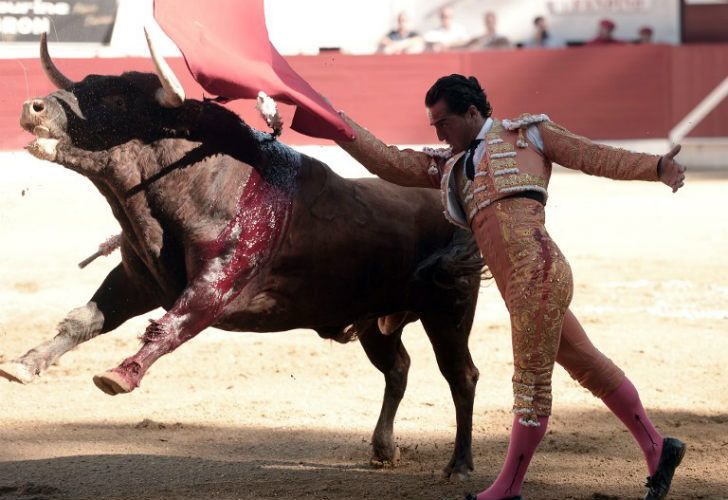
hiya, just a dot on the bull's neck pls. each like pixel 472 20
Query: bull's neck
pixel 126 175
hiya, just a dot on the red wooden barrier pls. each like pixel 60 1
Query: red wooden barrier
pixel 622 92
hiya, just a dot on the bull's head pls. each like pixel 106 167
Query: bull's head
pixel 102 111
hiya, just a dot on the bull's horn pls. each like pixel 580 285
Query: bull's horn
pixel 171 95
pixel 54 74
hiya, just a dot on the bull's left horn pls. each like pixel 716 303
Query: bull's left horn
pixel 52 72
pixel 171 95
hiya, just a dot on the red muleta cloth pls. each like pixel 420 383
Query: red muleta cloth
pixel 226 47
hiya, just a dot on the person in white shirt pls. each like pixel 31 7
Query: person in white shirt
pixel 490 39
pixel 448 35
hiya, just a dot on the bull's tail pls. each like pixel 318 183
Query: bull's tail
pixel 456 265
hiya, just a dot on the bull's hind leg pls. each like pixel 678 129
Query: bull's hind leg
pixel 388 354
pixel 116 300
pixel 448 331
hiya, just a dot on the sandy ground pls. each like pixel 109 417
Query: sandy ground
pixel 255 416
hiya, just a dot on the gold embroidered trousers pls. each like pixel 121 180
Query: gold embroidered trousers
pixel 535 281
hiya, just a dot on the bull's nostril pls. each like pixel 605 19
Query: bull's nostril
pixel 38 106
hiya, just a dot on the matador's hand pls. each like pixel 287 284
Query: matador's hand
pixel 670 171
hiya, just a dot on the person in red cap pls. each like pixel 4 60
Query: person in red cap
pixel 605 34
pixel 645 35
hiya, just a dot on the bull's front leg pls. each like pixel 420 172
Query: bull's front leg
pixel 118 298
pixel 79 325
pixel 240 251
pixel 198 307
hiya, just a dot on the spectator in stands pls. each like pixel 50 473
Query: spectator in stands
pixel 448 35
pixel 542 38
pixel 491 39
pixel 645 35
pixel 605 34
pixel 401 40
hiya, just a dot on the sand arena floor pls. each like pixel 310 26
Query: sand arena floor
pixel 256 416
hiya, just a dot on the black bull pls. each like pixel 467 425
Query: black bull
pixel 349 251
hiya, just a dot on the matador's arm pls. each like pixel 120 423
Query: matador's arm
pixel 405 167
pixel 580 153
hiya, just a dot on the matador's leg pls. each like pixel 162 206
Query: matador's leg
pixel 584 362
pixel 536 282
pixel 596 372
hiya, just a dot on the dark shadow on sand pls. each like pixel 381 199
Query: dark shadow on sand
pixel 171 461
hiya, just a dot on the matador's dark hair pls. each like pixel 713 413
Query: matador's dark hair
pixel 459 92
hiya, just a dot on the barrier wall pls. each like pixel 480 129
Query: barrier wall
pixel 609 93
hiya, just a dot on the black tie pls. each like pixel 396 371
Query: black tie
pixel 469 163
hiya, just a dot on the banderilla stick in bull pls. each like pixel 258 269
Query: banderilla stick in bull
pixel 105 248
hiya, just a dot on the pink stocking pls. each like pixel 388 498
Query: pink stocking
pixel 522 446
pixel 625 403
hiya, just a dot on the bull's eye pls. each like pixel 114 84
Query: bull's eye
pixel 114 101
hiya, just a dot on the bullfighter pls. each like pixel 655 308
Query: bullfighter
pixel 494 181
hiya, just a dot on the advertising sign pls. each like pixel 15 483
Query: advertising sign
pixel 65 20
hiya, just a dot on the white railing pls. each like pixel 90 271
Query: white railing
pixel 692 119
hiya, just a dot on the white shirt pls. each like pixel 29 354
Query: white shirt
pixel 532 133
pixel 456 35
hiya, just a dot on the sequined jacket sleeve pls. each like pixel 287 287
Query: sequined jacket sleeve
pixel 579 153
pixel 405 167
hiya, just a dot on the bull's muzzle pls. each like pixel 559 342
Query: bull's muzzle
pixel 33 116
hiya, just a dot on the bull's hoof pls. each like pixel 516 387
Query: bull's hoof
pixel 386 463
pixel 113 383
pixel 457 474
pixel 16 372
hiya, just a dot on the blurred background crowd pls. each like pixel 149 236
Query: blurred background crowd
pixel 451 35
pixel 111 27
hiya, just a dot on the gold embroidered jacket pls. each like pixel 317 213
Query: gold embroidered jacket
pixel 512 163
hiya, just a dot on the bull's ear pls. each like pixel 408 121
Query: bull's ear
pixel 171 95
pixel 52 72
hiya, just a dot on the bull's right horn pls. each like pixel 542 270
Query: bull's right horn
pixel 52 72
pixel 171 95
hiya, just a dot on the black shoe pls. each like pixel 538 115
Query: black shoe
pixel 672 454
pixel 471 496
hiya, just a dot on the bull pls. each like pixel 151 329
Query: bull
pixel 225 226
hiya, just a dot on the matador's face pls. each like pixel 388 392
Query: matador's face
pixel 456 130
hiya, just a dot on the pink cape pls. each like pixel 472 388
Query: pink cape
pixel 226 47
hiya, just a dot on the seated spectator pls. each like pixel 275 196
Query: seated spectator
pixel 541 36
pixel 645 35
pixel 605 34
pixel 491 39
pixel 401 40
pixel 448 35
